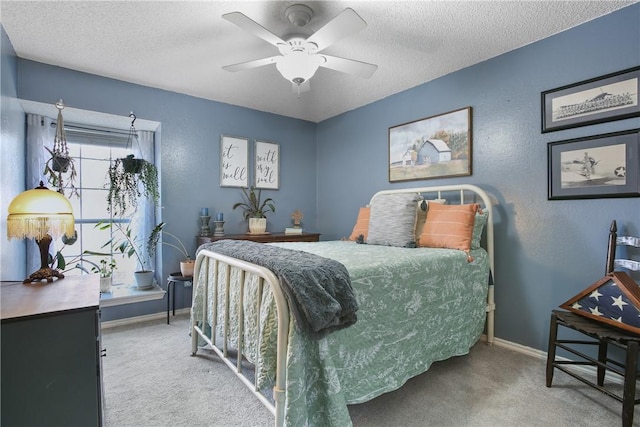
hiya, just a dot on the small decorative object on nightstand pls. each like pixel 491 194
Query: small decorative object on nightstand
pixel 297 226
pixel 218 231
pixel 204 228
pixel 297 217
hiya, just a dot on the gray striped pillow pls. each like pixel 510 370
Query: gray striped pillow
pixel 393 220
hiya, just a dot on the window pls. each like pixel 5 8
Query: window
pixel 92 152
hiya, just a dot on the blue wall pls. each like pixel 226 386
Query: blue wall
pixel 547 251
pixel 189 159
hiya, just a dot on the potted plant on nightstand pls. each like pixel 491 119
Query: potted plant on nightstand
pixel 186 264
pixel 255 210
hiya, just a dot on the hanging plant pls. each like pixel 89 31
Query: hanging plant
pixel 127 187
pixel 60 162
pixel 130 179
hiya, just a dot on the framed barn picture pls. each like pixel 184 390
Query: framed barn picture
pixel 433 147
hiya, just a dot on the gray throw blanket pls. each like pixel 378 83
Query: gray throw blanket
pixel 318 289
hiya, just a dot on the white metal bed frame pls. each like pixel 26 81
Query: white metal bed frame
pixel 265 276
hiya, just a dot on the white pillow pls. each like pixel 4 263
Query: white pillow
pixel 392 220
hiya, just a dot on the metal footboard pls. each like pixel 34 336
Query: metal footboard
pixel 207 259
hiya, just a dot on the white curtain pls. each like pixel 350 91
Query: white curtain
pixel 40 133
pixel 144 218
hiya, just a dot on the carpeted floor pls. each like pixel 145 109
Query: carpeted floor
pixel 151 380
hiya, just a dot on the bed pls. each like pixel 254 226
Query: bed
pixel 416 306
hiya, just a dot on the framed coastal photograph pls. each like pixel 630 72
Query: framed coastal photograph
pixel 602 99
pixel 267 165
pixel 594 167
pixel 234 161
pixel 433 147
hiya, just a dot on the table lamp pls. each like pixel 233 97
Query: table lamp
pixel 41 214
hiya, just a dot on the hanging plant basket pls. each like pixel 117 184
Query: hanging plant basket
pixel 127 187
pixel 132 165
pixel 130 179
pixel 60 163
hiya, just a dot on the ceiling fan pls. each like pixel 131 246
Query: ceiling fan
pixel 300 56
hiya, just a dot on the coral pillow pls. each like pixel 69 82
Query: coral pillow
pixel 362 224
pixel 423 207
pixel 449 226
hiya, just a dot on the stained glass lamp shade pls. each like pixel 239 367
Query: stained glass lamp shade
pixel 41 214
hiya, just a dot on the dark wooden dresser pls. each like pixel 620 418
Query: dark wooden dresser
pixel 51 364
pixel 262 238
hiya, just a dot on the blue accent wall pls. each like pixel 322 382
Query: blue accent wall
pixel 189 155
pixel 547 251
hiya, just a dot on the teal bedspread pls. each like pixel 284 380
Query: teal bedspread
pixel 416 306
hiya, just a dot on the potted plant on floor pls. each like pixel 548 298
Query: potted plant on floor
pixel 254 209
pixel 186 264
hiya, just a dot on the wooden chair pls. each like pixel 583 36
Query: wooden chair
pixel 601 335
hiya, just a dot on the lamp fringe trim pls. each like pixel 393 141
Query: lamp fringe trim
pixel 27 226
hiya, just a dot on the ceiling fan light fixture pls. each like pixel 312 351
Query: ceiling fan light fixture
pixel 298 67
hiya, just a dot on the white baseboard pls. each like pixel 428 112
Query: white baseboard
pixel 138 319
pixel 542 355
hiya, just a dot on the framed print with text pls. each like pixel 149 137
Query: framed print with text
pixel 267 165
pixel 234 160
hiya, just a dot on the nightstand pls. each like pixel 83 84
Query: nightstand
pixel 262 238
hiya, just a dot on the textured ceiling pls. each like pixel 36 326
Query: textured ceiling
pixel 181 46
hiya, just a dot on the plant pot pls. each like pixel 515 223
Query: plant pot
pixel 132 165
pixel 144 279
pixel 105 283
pixel 60 164
pixel 186 267
pixel 257 225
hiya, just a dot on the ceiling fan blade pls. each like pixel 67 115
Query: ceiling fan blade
pixel 349 66
pixel 346 23
pixel 250 64
pixel 248 24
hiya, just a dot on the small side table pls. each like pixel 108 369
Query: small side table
pixel 171 290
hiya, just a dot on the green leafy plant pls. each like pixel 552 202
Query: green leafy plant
pixel 59 262
pixel 128 244
pixel 129 180
pixel 155 236
pixel 106 267
pixel 253 206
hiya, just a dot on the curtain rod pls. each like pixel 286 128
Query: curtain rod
pixel 94 130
